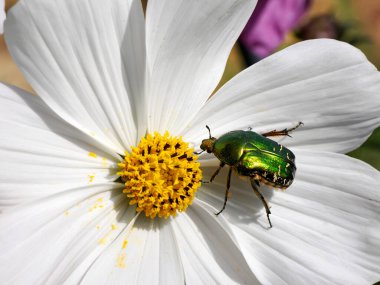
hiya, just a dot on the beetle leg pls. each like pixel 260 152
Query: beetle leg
pixel 284 132
pixel 261 197
pixel 227 191
pixel 217 171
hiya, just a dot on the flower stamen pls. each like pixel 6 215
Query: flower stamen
pixel 161 175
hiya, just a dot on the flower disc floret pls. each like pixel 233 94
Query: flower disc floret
pixel 161 175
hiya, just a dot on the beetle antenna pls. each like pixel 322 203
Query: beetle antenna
pixel 209 131
pixel 198 153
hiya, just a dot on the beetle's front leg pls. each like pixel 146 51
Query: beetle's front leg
pixel 261 197
pixel 227 190
pixel 217 171
pixel 284 132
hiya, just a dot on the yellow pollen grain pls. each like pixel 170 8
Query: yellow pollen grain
pixel 161 175
pixel 125 242
pixel 103 240
pixel 91 178
pixel 99 203
pixel 92 154
pixel 121 260
pixel 114 227
pixel 67 213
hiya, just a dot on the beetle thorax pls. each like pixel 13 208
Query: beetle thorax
pixel 208 145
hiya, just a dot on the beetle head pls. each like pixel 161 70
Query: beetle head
pixel 208 144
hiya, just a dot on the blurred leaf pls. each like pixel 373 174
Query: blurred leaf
pixel 234 65
pixel 370 150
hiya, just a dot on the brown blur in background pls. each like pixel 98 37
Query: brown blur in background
pixel 362 16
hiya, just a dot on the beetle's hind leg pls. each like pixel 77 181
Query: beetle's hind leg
pixel 284 132
pixel 261 197
pixel 227 190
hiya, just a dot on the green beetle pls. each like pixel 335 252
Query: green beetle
pixel 255 156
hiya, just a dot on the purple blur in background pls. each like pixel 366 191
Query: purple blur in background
pixel 268 25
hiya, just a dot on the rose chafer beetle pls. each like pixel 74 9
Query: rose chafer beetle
pixel 255 156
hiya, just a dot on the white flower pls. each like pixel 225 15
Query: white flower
pixel 2 15
pixel 105 76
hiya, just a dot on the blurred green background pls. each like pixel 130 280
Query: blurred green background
pixel 361 16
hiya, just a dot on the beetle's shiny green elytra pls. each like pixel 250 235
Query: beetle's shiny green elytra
pixel 255 156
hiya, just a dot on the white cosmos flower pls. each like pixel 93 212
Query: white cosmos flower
pixel 105 76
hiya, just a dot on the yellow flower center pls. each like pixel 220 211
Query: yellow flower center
pixel 161 175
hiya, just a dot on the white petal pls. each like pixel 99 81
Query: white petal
pixel 325 226
pixel 75 53
pixel 171 267
pixel 188 43
pixel 41 154
pixel 328 85
pixel 2 15
pixel 209 252
pixel 144 253
pixel 45 241
pixel 80 273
